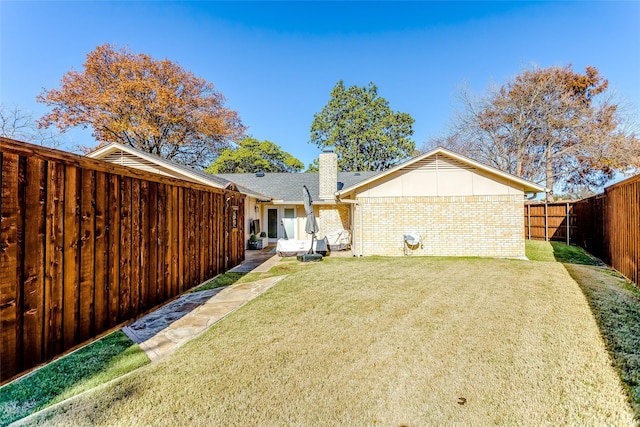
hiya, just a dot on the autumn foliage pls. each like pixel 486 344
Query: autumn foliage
pixel 153 105
pixel 549 125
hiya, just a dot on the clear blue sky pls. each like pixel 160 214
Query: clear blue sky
pixel 276 63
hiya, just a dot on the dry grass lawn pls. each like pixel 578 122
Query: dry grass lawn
pixel 381 341
pixel 615 303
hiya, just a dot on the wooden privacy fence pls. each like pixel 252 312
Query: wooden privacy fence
pixel 86 245
pixel 610 226
pixel 606 225
pixel 549 221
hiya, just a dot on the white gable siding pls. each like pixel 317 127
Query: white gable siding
pixel 126 159
pixel 439 176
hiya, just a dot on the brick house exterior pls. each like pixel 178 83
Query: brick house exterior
pixel 455 205
pixel 489 226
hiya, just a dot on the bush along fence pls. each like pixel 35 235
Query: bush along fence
pixel 606 225
pixel 86 245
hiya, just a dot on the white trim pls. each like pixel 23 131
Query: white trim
pixel 179 171
pixel 300 202
pixel 294 221
pixel 102 152
pixel 280 227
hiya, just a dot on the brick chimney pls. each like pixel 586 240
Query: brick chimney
pixel 328 174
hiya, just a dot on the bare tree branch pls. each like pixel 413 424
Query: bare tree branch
pixel 551 126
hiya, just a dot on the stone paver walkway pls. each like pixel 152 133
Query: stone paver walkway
pixel 257 262
pixel 164 330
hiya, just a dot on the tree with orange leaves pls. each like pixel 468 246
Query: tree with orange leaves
pixel 152 105
pixel 550 125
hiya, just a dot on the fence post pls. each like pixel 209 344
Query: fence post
pixel 568 226
pixel 546 222
pixel 529 221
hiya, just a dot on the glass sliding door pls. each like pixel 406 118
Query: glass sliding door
pixel 289 222
pixel 272 223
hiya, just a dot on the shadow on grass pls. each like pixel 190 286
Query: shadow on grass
pixel 105 359
pixel 220 281
pixel 614 302
pixel 286 266
pixel 569 254
pixel 539 250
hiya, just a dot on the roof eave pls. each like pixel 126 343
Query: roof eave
pixel 107 149
pixel 300 202
pixel 528 186
pixel 115 146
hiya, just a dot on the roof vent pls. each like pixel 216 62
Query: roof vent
pixel 356 174
pixel 259 174
pixel 340 185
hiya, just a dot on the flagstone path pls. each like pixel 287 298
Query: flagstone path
pixel 164 330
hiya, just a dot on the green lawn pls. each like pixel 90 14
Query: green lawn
pixel 383 341
pixel 84 369
pixel 537 250
pixel 285 266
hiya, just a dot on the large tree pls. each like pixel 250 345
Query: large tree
pixel 549 125
pixel 364 132
pixel 153 105
pixel 18 123
pixel 252 155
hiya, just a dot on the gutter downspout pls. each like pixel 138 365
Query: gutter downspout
pixel 359 208
pixel 361 232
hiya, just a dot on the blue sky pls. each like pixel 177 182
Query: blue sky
pixel 276 62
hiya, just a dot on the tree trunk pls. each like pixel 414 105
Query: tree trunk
pixel 549 175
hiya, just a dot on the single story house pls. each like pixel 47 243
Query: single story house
pixel 439 203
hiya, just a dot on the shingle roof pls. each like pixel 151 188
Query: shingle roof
pixel 287 187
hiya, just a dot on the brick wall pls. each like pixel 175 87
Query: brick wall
pixel 489 226
pixel 332 218
pixel 327 175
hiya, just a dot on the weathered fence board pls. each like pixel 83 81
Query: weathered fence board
pixel 71 259
pixel 53 264
pixel 124 295
pixel 135 246
pixel 101 250
pixel 114 248
pixel 86 245
pixel 9 281
pixel 87 256
pixel 33 276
